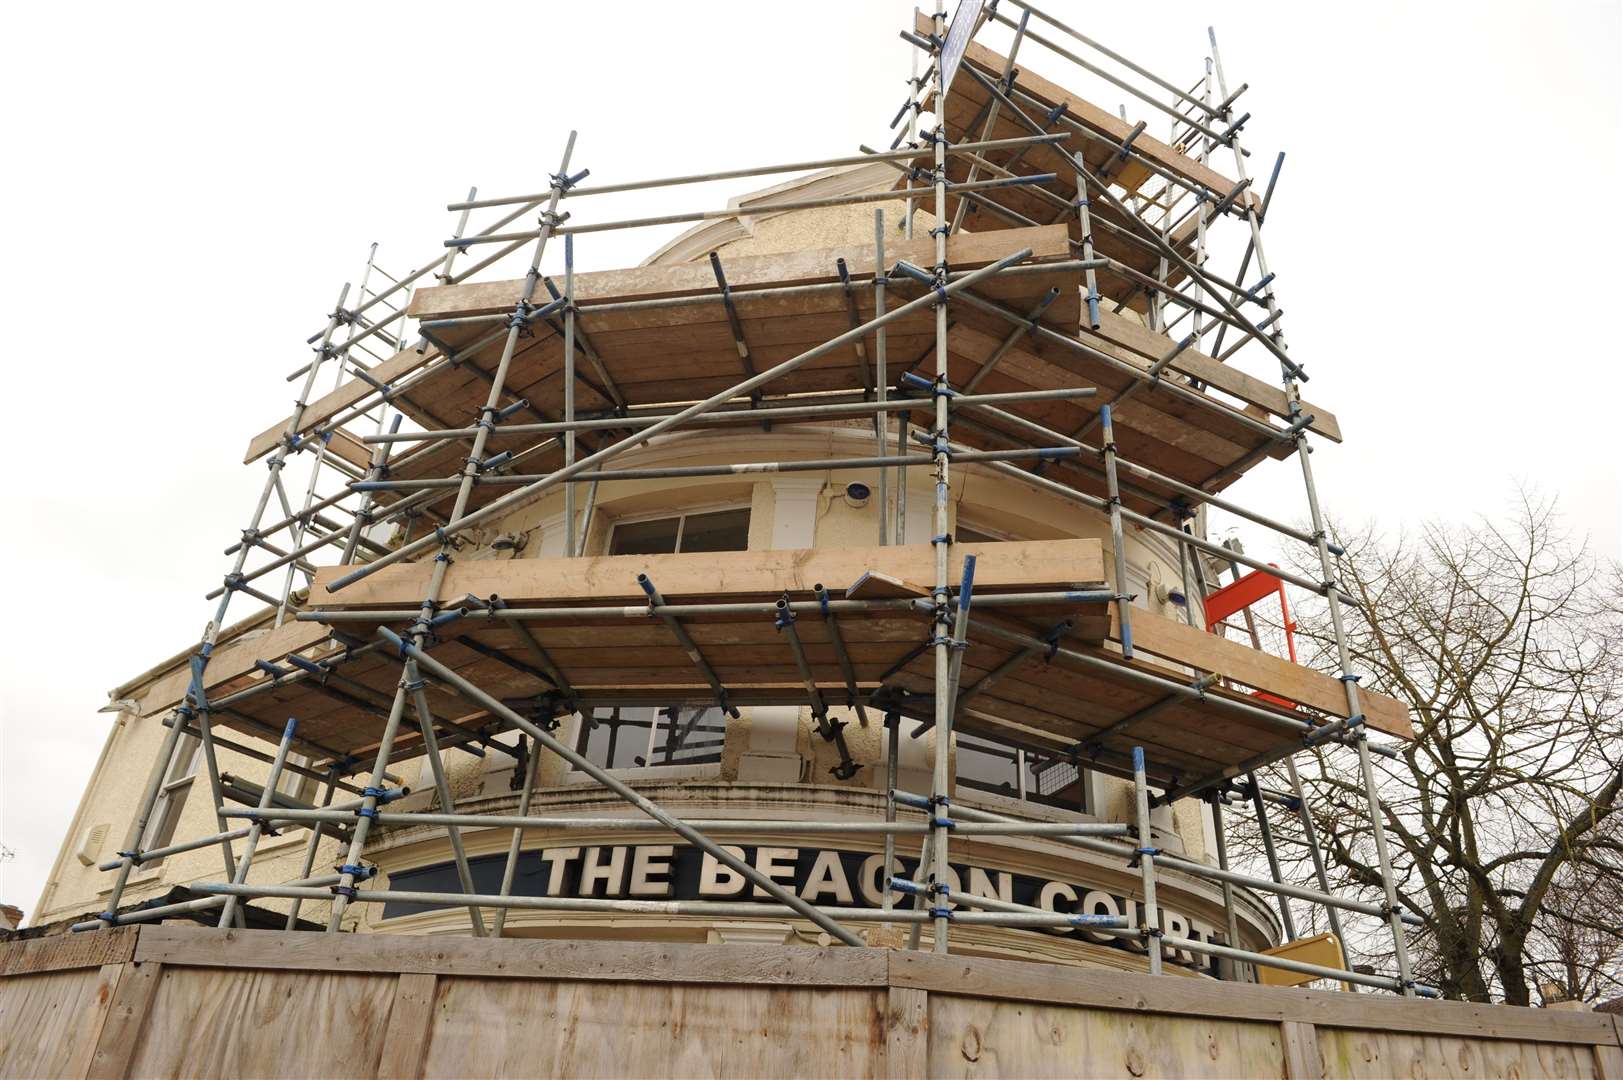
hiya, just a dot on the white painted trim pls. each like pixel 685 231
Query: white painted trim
pixel 794 512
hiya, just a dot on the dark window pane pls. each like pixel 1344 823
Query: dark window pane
pixel 986 766
pixel 1056 782
pixel 724 530
pixel 967 534
pixel 692 739
pixel 657 537
pixel 618 740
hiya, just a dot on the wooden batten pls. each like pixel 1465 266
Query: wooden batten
pixel 1185 644
pixel 612 579
pixel 964 252
pixel 1038 702
pixel 233 660
pixel 324 408
pixel 1092 117
pixel 1131 341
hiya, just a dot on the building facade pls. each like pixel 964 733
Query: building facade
pixel 771 762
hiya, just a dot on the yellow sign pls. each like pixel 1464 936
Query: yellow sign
pixel 1321 949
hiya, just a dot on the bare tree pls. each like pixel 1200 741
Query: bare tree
pixel 1504 642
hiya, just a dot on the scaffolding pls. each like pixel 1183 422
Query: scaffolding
pixel 1050 218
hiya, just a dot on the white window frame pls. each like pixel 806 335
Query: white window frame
pixel 973 524
pixel 1022 791
pixel 682 770
pixel 178 780
pixel 681 517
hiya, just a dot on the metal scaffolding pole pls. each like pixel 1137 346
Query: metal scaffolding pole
pixel 460 522
pixel 765 208
pixel 1290 374
pixel 739 415
pixel 693 836
pixel 569 391
pixel 205 738
pixel 245 862
pixel 1152 222
pixel 442 787
pixel 991 116
pixel 445 539
pixel 1267 833
pixel 941 540
pixel 515 844
pixel 1311 839
pixel 893 748
pixel 758 170
pixel 1146 852
pixel 709 825
pixel 881 382
pixel 1118 544
pixel 1231 920
pixel 313 845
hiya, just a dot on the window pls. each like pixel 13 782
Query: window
pixel 717 530
pixel 1028 775
pixel 630 738
pixel 177 783
pixel 965 532
pixel 640 737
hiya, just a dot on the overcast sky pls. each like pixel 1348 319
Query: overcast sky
pixel 188 187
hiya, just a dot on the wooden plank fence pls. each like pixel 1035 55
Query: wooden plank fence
pixel 194 1001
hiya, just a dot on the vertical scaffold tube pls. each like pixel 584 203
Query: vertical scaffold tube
pixel 515 844
pixel 1085 223
pixel 569 392
pixel 1266 831
pixel 1124 614
pixel 1310 837
pixel 912 125
pixel 940 540
pixel 421 628
pixel 1231 919
pixel 442 788
pixel 1146 863
pixel 1200 216
pixel 881 377
pixel 251 841
pixel 371 796
pixel 313 845
pixel 205 736
pixel 1332 592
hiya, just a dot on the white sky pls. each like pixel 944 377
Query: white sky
pixel 189 186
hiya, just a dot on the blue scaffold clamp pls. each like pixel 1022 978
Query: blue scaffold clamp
pixel 564 182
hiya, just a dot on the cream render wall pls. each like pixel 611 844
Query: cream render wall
pixel 111 800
